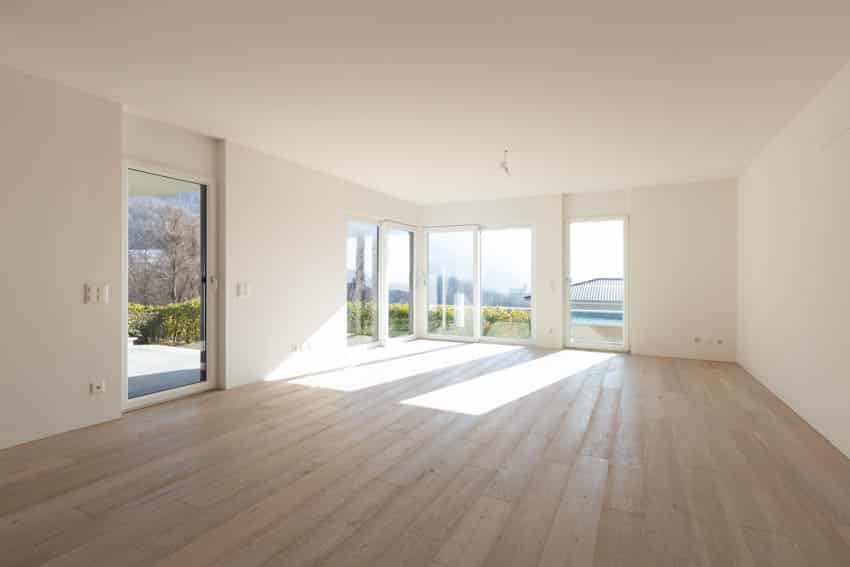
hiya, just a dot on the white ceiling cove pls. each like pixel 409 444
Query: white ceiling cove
pixel 420 99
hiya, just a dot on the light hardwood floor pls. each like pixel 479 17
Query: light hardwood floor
pixel 633 461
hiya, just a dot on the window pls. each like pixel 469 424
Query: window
pixel 451 283
pixel 399 270
pixel 361 262
pixel 506 283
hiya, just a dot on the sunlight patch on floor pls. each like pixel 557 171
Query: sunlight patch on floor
pixel 490 391
pixel 375 374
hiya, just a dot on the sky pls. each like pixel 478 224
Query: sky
pixel 596 250
pixel 398 262
pixel 505 257
pixel 398 249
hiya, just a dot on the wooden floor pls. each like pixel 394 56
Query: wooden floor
pixel 635 461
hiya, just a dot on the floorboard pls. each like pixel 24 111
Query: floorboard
pixel 625 460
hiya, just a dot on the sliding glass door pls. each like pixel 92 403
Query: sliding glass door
pixel 452 277
pixel 166 284
pixel 597 311
pixel 398 256
pixel 480 283
pixel 361 263
pixel 506 283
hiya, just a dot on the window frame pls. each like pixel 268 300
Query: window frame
pixel 478 230
pixel 533 331
pixel 378 278
pixel 476 290
pixel 214 302
pixel 384 290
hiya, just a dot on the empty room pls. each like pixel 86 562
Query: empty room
pixel 437 284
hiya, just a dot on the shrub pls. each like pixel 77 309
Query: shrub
pixel 505 322
pixel 176 323
pixel 362 318
pixel 435 316
pixel 399 319
pixel 495 321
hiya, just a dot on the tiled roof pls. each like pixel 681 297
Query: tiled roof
pixel 597 290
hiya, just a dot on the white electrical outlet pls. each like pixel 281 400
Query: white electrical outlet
pixel 697 340
pixel 719 340
pixel 97 387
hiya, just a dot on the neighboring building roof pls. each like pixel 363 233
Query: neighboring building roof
pixel 597 290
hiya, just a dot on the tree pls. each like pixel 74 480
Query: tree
pixel 180 260
pixel 145 285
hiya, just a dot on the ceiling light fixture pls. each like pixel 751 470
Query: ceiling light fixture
pixel 504 164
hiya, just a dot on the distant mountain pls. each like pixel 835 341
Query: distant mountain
pixel 399 296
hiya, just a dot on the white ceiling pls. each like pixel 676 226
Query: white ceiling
pixel 419 98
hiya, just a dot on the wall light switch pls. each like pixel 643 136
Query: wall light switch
pixel 243 289
pixel 88 294
pixel 96 293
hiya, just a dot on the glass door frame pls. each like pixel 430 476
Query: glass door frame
pixel 532 334
pixel 209 285
pixel 384 228
pixel 476 279
pixel 476 283
pixel 379 285
pixel 625 347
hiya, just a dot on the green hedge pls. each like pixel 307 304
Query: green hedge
pixel 399 319
pixel 176 323
pixel 506 322
pixel 495 321
pixel 362 318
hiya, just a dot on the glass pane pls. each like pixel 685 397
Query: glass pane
pixel 165 288
pixel 400 282
pixel 361 263
pixel 596 283
pixel 506 283
pixel 450 283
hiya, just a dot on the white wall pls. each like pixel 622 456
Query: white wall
pixel 795 263
pixel 543 214
pixel 682 265
pixel 682 256
pixel 684 270
pixel 165 145
pixel 60 226
pixel 285 236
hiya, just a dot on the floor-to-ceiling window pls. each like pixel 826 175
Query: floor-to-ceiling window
pixel 166 283
pixel 361 262
pixel 506 283
pixel 399 281
pixel 597 291
pixel 452 282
